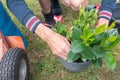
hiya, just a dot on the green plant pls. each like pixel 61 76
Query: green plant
pixel 90 43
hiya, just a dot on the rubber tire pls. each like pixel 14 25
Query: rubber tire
pixel 9 65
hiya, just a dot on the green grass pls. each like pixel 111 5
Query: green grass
pixel 45 66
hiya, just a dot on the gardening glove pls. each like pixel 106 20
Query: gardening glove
pixel 58 44
pixel 75 4
pixel 49 19
pixel 57 19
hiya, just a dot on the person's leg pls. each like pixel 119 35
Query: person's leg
pixel 56 8
pixel 7 27
pixel 47 12
pixel 45 4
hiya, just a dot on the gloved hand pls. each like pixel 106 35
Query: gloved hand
pixel 56 19
pixel 49 19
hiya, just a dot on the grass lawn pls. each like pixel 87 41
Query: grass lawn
pixel 45 66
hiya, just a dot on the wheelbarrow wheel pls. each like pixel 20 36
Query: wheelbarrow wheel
pixel 14 65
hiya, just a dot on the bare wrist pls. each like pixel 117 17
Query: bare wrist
pixel 43 32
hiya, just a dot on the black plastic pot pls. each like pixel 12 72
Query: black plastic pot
pixel 74 66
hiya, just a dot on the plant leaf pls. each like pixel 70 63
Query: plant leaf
pixel 98 51
pixel 95 16
pixel 61 29
pixel 98 37
pixel 76 32
pixel 100 29
pixel 112 38
pixel 87 36
pixel 88 54
pixel 82 10
pixel 72 56
pixel 111 32
pixel 86 30
pixel 108 34
pixel 97 62
pixel 91 13
pixel 113 44
pixel 111 26
pixel 110 61
pixel 77 47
